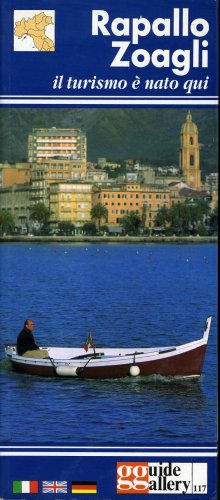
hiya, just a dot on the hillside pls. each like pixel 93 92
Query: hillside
pixel 152 135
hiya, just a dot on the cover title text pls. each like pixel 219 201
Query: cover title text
pixel 135 51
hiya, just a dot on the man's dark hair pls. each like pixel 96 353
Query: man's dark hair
pixel 26 322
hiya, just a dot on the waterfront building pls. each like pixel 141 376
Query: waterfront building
pixel 56 154
pixel 46 173
pixel 14 173
pixel 57 143
pixel 143 199
pixel 16 200
pixel 70 201
pixel 190 153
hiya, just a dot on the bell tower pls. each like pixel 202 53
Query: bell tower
pixel 189 153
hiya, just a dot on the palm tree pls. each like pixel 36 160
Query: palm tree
pixel 162 217
pixel 6 221
pixel 131 223
pixel 98 213
pixel 40 213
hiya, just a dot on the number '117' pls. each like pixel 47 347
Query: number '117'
pixel 199 488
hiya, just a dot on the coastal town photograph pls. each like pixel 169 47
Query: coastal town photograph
pixel 153 176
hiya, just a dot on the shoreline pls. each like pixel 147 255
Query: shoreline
pixel 108 239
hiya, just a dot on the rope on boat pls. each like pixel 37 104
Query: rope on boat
pixel 80 370
pixel 53 365
pixel 134 369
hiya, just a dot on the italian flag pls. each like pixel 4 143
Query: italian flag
pixel 25 486
pixel 89 343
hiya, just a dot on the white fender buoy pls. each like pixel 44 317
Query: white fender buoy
pixel 67 371
pixel 134 370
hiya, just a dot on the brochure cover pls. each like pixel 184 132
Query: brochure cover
pixel 108 221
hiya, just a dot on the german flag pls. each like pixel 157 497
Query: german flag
pixel 84 487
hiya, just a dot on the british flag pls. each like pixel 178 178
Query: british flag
pixel 54 486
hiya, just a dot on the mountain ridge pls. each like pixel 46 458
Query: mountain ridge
pixel 151 135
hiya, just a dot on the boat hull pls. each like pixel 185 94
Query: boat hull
pixel 187 364
pixel 185 360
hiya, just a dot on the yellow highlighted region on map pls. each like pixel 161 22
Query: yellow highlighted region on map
pixel 36 28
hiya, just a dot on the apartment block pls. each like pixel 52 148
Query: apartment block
pixel 56 155
pixel 56 144
pixel 46 173
pixel 70 202
pixel 143 199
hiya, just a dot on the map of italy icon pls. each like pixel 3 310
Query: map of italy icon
pixel 34 30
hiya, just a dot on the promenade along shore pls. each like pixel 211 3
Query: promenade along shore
pixel 109 239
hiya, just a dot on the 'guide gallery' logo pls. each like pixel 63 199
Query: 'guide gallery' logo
pixel 161 477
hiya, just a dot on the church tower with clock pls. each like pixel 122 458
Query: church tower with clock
pixel 189 153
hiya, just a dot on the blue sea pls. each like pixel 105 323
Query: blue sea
pixel 126 295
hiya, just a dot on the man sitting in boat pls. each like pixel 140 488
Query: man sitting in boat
pixel 26 345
